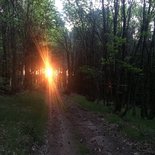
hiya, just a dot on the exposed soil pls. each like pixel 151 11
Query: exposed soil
pixel 72 125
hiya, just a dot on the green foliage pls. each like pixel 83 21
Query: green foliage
pixel 119 41
pixel 113 50
pixel 145 34
pixel 81 100
pixel 110 47
pixel 113 118
pixel 107 61
pixel 76 11
pixel 130 68
pixel 45 14
pixel 22 122
pixel 89 72
pixel 145 128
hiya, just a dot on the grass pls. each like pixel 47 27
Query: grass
pixel 22 122
pixel 91 105
pixel 133 126
pixel 82 148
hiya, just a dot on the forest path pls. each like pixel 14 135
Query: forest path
pixel 60 139
pixel 73 130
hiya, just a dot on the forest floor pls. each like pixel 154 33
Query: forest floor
pixel 74 130
pixel 23 119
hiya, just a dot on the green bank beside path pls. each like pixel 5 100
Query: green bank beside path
pixel 134 127
pixel 23 120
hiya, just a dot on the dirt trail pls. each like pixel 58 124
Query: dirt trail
pixel 73 126
pixel 60 138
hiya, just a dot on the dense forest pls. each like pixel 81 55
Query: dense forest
pixel 107 48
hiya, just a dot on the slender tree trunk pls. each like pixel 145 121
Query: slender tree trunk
pixel 14 54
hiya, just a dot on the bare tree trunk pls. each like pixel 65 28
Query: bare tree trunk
pixel 14 54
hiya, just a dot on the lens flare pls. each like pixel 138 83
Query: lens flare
pixel 53 97
pixel 49 72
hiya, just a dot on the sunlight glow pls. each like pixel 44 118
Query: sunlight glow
pixel 49 72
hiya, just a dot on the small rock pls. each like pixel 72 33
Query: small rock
pixel 102 119
pixel 99 149
pixel 33 148
pixel 124 140
pixel 81 140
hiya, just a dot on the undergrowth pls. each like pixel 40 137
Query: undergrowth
pixel 22 122
pixel 133 126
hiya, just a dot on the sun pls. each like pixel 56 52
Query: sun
pixel 49 72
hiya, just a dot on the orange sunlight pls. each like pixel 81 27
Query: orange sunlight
pixel 53 97
pixel 49 72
